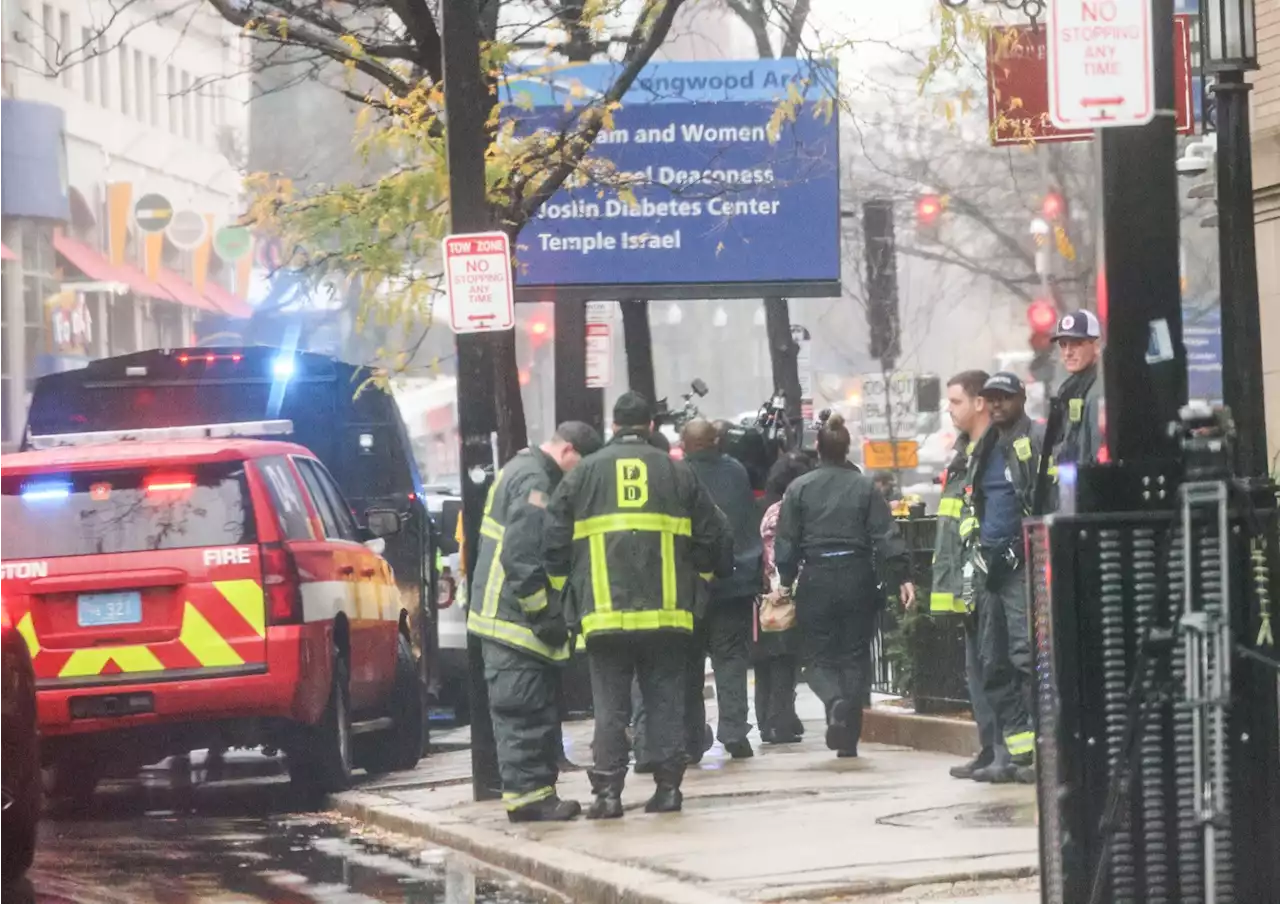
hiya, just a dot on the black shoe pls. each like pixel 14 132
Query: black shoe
pixel 1001 774
pixel 567 765
pixel 838 724
pixel 667 799
pixel 766 736
pixel 787 739
pixel 606 806
pixel 847 753
pixel 797 727
pixel 1025 775
pixel 985 758
pixel 552 809
pixel 740 750
pixel 643 768
pixel 708 738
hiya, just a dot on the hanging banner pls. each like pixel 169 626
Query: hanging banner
pixel 119 199
pixel 153 251
pixel 244 272
pixel 1018 86
pixel 200 256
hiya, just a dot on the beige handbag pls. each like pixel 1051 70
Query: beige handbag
pixel 777 612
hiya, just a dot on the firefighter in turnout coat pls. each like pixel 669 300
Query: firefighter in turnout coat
pixel 517 613
pixel 634 536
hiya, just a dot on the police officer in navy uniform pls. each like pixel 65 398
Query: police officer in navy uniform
pixel 1003 479
pixel 633 536
pixel 1079 338
pixel 517 614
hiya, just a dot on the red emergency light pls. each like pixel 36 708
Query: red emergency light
pixel 928 207
pixel 158 484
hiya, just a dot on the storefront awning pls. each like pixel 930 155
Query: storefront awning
pixel 6 254
pixel 183 292
pixel 95 266
pixel 229 304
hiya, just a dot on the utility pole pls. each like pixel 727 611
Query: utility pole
pixel 466 105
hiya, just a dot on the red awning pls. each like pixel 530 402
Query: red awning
pixel 6 254
pixel 231 305
pixel 93 265
pixel 183 292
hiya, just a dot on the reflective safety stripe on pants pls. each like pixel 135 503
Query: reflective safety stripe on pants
pixel 515 801
pixel 1020 743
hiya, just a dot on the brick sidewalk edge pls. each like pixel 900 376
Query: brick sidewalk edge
pixel 954 736
pixel 580 877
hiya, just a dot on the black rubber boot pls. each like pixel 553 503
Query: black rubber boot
pixel 607 787
pixel 985 758
pixel 551 809
pixel 667 798
pixel 740 750
pixel 838 725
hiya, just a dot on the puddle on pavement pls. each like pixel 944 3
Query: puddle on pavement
pixel 1002 815
pixel 242 847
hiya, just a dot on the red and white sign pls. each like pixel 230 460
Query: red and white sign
pixel 599 355
pixel 477 279
pixel 1100 64
pixel 1018 85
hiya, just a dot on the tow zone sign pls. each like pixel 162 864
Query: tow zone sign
pixel 1100 63
pixel 477 277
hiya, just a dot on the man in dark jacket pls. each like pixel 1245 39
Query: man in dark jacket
pixel 518 616
pixel 1003 479
pixel 630 536
pixel 1079 399
pixel 725 630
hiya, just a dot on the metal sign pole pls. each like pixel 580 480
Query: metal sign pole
pixel 466 103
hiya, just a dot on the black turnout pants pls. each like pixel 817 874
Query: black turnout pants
pixel 836 605
pixel 776 694
pixel 658 660
pixel 526 722
pixel 1004 646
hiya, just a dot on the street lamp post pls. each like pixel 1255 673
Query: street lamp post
pixel 1229 44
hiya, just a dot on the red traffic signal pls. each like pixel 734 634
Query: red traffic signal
pixel 1042 315
pixel 928 209
pixel 1053 207
pixel 539 328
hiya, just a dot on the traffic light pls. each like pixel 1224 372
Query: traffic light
pixel 928 216
pixel 1054 207
pixel 1042 316
pixel 539 331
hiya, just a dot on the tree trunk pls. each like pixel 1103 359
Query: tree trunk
pixel 782 353
pixel 639 346
pixel 513 435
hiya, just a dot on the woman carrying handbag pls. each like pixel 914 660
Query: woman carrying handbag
pixel 776 647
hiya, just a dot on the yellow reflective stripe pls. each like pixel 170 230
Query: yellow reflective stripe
pixel 646 620
pixel 968 526
pixel 28 631
pixel 515 800
pixel 557 582
pixel 136 658
pixel 600 575
pixel 493 586
pixel 491 529
pixel 706 575
pixel 1020 743
pixel 950 508
pixel 608 524
pixel 515 635
pixel 945 603
pixel 668 570
pixel 246 597
pixel 578 641
pixel 534 602
pixel 205 643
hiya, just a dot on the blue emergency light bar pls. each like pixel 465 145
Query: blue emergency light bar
pixel 45 492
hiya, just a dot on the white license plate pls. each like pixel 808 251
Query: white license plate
pixel 95 610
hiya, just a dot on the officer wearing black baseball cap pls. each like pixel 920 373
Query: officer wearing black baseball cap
pixel 1078 403
pixel 1003 475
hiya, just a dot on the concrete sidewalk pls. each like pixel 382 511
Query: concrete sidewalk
pixel 793 823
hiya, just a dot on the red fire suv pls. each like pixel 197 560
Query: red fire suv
pixel 178 593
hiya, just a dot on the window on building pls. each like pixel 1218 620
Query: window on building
pixel 50 40
pixel 104 73
pixel 172 82
pixel 40 281
pixel 87 70
pixel 153 89
pixel 139 87
pixel 126 89
pixel 186 105
pixel 64 48
pixel 17 25
pixel 199 102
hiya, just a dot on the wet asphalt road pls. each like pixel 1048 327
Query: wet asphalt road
pixel 237 842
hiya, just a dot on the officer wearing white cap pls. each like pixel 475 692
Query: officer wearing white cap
pixel 1002 478
pixel 1079 338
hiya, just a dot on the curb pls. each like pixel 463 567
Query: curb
pixel 920 732
pixel 580 877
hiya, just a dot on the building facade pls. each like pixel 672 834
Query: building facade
pixel 113 124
